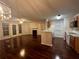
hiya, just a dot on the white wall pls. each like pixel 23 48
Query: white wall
pixel 59 27
pixel 27 28
pixel 10 30
pixel 36 25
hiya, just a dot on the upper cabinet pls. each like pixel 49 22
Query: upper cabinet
pixel 74 23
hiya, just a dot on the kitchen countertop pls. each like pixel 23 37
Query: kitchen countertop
pixel 74 33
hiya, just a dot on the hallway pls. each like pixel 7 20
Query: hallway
pixel 34 50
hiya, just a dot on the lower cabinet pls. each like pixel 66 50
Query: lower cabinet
pixel 77 44
pixel 74 43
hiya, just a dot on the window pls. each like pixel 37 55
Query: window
pixel 14 29
pixel 20 28
pixel 5 27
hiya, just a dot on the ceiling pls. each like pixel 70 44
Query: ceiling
pixel 42 9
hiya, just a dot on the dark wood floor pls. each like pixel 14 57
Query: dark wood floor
pixel 10 49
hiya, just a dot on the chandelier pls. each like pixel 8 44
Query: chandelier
pixel 5 12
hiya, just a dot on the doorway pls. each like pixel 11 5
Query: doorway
pixel 58 28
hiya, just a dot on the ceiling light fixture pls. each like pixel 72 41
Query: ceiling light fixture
pixel 1 10
pixel 21 22
pixel 58 17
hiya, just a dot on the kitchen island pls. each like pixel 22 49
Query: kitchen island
pixel 46 38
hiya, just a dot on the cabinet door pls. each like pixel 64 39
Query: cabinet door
pixel 72 41
pixel 78 21
pixel 77 44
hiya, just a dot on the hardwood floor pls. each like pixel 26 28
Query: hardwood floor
pixel 32 49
